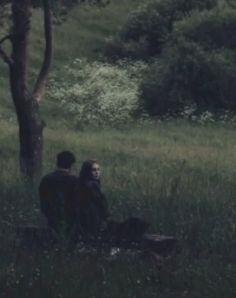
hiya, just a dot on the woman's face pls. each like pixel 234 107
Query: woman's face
pixel 95 171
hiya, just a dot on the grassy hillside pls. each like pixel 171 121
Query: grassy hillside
pixel 82 35
pixel 179 177
pixel 85 31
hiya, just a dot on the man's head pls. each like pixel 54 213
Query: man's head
pixel 65 160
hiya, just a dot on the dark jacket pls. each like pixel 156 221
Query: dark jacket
pixel 56 191
pixel 92 207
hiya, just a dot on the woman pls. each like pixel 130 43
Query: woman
pixel 92 207
pixel 93 211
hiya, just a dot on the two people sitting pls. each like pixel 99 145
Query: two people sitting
pixel 77 206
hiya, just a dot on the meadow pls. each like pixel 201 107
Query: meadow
pixel 178 176
pixel 83 34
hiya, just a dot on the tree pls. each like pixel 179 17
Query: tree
pixel 149 27
pixel 231 3
pixel 27 102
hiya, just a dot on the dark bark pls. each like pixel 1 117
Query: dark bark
pixel 26 106
pixel 27 103
pixel 43 75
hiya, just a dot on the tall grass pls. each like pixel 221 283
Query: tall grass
pixel 178 176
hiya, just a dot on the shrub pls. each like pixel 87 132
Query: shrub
pixel 212 29
pixel 98 93
pixel 149 27
pixel 118 49
pixel 187 74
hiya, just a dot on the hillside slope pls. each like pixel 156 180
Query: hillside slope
pixel 82 35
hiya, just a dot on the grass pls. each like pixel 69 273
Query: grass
pixel 179 177
pixel 83 35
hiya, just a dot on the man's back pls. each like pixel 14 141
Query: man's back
pixel 56 192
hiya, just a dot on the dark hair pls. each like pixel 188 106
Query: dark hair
pixel 65 159
pixel 86 169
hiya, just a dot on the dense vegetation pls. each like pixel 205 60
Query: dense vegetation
pixel 149 27
pixel 82 35
pixel 188 47
pixel 98 93
pixel 191 48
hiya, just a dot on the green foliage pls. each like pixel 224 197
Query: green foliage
pixel 185 75
pixel 212 29
pixel 98 93
pixel 4 13
pixel 148 28
pixel 116 49
pixel 82 35
pixel 231 3
pixel 198 66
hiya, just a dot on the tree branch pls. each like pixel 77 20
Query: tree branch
pixel 5 38
pixel 5 57
pixel 3 54
pixel 43 74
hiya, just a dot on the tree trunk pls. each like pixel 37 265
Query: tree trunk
pixel 27 108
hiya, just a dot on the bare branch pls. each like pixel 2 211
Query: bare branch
pixel 3 54
pixel 42 78
pixel 5 57
pixel 5 38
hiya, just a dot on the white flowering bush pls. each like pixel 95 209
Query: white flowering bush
pixel 98 93
pixel 205 117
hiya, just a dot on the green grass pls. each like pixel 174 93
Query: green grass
pixel 179 176
pixel 83 35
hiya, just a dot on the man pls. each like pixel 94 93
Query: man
pixel 56 191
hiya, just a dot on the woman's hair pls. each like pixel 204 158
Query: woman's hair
pixel 86 169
